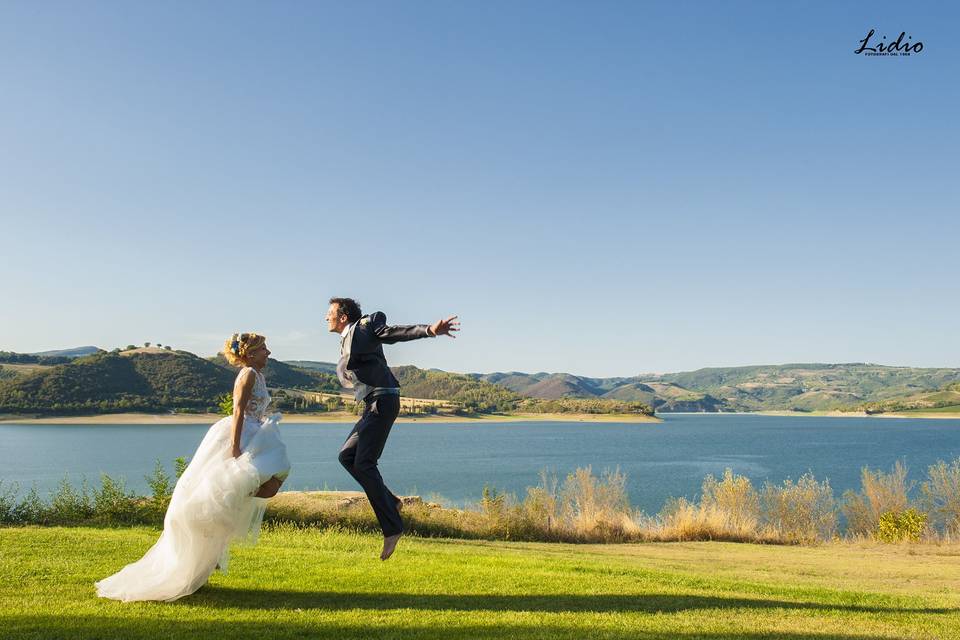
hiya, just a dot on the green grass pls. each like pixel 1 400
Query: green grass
pixel 325 583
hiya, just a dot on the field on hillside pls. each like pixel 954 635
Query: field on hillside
pixel 326 583
pixel 24 369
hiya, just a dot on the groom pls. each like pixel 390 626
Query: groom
pixel 363 368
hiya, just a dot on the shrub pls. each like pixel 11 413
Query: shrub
pixel 179 466
pixel 161 489
pixel 801 512
pixel 492 503
pixel 729 509
pixel 69 506
pixel 735 498
pixel 682 520
pixel 32 509
pixel 542 503
pixel 8 502
pixel 591 505
pixel 880 493
pixel 113 504
pixel 940 496
pixel 897 526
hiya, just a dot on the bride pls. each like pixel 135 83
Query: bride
pixel 221 495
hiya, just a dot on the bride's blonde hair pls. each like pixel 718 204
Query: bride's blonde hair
pixel 239 345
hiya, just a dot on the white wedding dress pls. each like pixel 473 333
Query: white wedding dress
pixel 212 505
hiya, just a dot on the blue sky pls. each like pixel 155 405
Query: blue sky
pixel 594 187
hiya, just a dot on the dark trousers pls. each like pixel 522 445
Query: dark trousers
pixel 360 453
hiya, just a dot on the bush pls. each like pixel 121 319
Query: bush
pixel 161 490
pixel 584 508
pixel 682 520
pixel 897 526
pixel 729 509
pixel 32 509
pixel 735 498
pixel 940 496
pixel 542 503
pixel 801 512
pixel 179 466
pixel 8 502
pixel 599 506
pixel 880 493
pixel 113 504
pixel 69 506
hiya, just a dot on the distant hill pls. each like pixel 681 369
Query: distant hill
pixel 76 352
pixel 142 379
pixel 326 367
pixel 154 379
pixel 811 386
pixel 44 359
pixel 562 385
pixel 283 374
pixel 109 382
pixel 551 385
pixel 475 396
pixel 947 398
pixel 803 387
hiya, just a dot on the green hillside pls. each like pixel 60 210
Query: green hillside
pixel 480 396
pixel 946 399
pixel 109 382
pixel 473 395
pixel 812 386
pixel 803 387
pixel 285 375
pixel 146 379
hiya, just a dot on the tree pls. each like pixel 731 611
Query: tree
pixel 225 404
pixel 146 344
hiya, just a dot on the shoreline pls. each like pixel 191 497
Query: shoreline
pixel 920 415
pixel 339 417
pixel 343 417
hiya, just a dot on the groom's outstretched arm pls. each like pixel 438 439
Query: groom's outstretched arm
pixel 403 333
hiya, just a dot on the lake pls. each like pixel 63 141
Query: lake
pixel 455 460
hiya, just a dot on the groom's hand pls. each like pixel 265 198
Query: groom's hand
pixel 445 327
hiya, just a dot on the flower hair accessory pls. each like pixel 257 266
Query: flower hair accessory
pixel 235 344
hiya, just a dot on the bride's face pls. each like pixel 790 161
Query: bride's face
pixel 257 358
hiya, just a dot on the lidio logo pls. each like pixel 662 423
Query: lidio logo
pixel 882 48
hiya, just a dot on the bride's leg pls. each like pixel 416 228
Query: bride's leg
pixel 269 488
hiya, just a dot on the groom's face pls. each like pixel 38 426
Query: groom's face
pixel 336 322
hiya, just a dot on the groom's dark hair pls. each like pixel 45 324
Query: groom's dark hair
pixel 348 307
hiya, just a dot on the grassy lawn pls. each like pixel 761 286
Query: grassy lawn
pixel 324 583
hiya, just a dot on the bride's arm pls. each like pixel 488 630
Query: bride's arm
pixel 242 389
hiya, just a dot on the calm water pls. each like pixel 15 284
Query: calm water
pixel 455 460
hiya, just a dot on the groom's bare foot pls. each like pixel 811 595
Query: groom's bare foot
pixel 389 545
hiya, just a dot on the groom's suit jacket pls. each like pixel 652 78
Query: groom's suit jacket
pixel 362 366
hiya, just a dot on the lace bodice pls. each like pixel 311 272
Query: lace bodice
pixel 259 402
